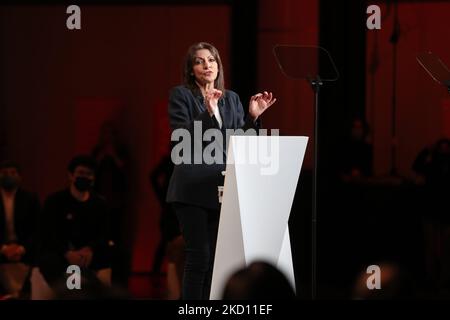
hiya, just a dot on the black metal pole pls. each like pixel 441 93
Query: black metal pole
pixel 316 87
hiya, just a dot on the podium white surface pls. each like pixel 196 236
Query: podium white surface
pixel 260 183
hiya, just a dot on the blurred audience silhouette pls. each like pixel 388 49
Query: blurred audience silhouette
pixel 75 228
pixel 356 156
pixel 432 166
pixel 111 182
pixel 259 281
pixel 19 211
pixel 171 243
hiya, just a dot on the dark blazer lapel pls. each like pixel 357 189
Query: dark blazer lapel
pixel 224 114
pixel 227 121
pixel 199 103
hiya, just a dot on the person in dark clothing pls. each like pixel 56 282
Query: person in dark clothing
pixel 202 101
pixel 432 165
pixel 75 226
pixel 19 210
pixel 111 178
pixel 356 153
pixel 171 244
pixel 159 178
pixel 111 182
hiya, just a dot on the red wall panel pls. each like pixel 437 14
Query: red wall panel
pixel 294 23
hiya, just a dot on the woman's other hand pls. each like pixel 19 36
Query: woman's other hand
pixel 259 103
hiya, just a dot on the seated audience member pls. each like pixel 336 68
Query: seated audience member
pixel 92 289
pixel 18 215
pixel 112 182
pixel 432 167
pixel 75 228
pixel 258 281
pixel 356 153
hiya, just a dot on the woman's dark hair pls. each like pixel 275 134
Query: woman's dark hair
pixel 188 76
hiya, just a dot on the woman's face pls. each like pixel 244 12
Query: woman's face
pixel 205 67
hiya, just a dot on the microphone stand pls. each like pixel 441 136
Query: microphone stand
pixel 316 83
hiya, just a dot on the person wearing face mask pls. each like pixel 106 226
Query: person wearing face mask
pixel 19 210
pixel 75 227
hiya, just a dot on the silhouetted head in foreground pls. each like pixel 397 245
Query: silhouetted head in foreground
pixel 258 281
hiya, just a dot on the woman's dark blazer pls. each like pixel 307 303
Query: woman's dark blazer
pixel 196 184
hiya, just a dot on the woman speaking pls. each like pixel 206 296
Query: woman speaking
pixel 202 102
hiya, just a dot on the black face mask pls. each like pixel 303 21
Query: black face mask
pixel 8 183
pixel 83 184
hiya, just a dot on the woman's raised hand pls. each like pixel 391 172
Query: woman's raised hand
pixel 211 100
pixel 259 103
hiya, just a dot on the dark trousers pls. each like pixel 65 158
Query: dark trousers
pixel 199 227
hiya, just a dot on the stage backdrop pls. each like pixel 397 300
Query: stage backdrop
pixel 61 85
pixel 422 114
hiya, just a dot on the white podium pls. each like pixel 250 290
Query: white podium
pixel 260 183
